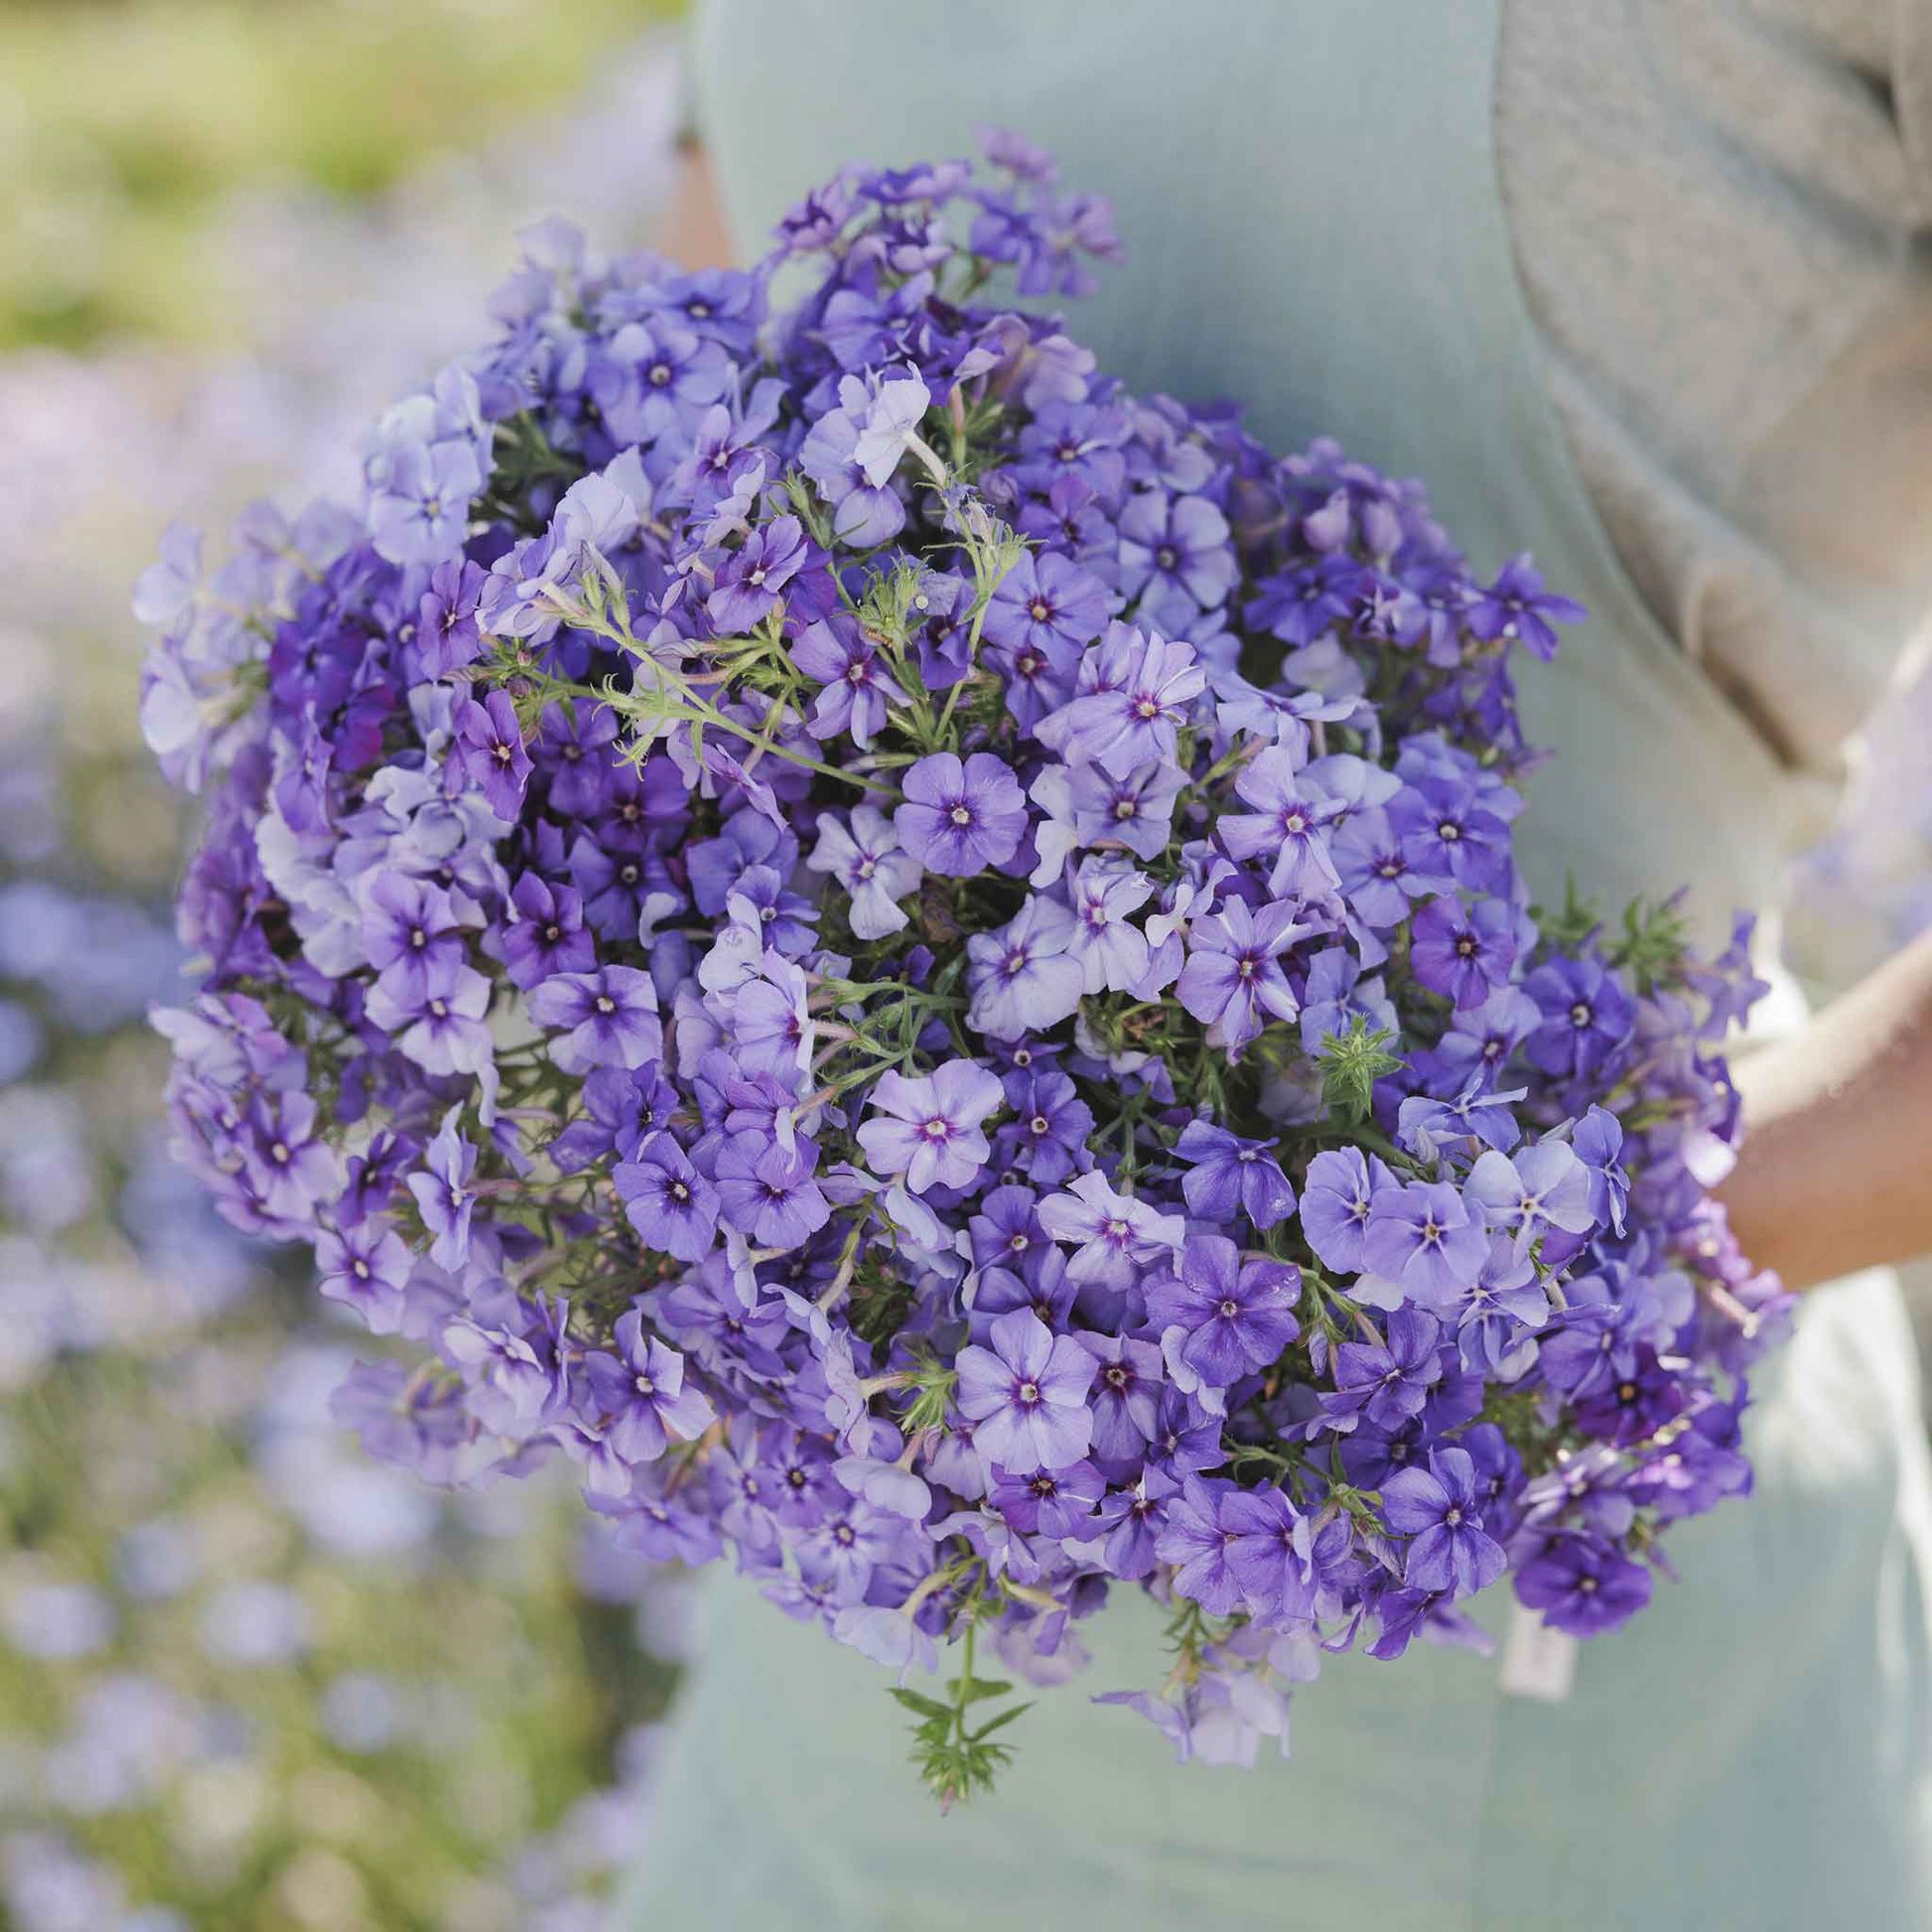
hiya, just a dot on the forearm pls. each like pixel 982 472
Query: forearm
pixel 694 231
pixel 1835 1172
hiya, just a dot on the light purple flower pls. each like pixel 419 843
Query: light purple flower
pixel 1542 1186
pixel 421 511
pixel 959 818
pixel 862 852
pixel 858 687
pixel 927 1130
pixel 1135 692
pixel 608 1018
pixel 1026 1395
pixel 1287 830
pixel 1424 1239
pixel 748 582
pixel 1024 978
pixel 1116 1238
pixel 1111 949
pixel 442 1191
pixel 1233 975
pixel 1337 1200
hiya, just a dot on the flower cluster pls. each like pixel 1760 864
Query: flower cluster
pixel 917 963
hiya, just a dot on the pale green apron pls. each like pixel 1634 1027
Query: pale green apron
pixel 1308 193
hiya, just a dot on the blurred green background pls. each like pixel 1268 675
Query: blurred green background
pixel 125 123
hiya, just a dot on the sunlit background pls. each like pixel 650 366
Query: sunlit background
pixel 249 1676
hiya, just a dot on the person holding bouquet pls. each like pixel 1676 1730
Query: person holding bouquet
pixel 1633 289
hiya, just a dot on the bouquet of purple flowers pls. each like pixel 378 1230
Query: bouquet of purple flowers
pixel 916 961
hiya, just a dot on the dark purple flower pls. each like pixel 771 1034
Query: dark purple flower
pixel 1047 1136
pixel 488 751
pixel 747 587
pixel 637 1394
pixel 1452 836
pixel 1583 1585
pixel 1126 1396
pixel 1465 951
pixel 1386 1382
pixel 1228 1175
pixel 1050 1502
pixel 673 1207
pixel 1585 1015
pixel 1301 604
pixel 1226 1316
pixel 1437 1507
pixel 1517 606
pixel 1635 1404
pixel 545 934
pixel 1132 1521
pixel 448 636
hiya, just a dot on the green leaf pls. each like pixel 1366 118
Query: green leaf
pixel 926 1706
pixel 1654 942
pixel 1351 1063
pixel 973 1689
pixel 999 1722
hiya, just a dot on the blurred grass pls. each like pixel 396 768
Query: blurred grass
pixel 125 123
